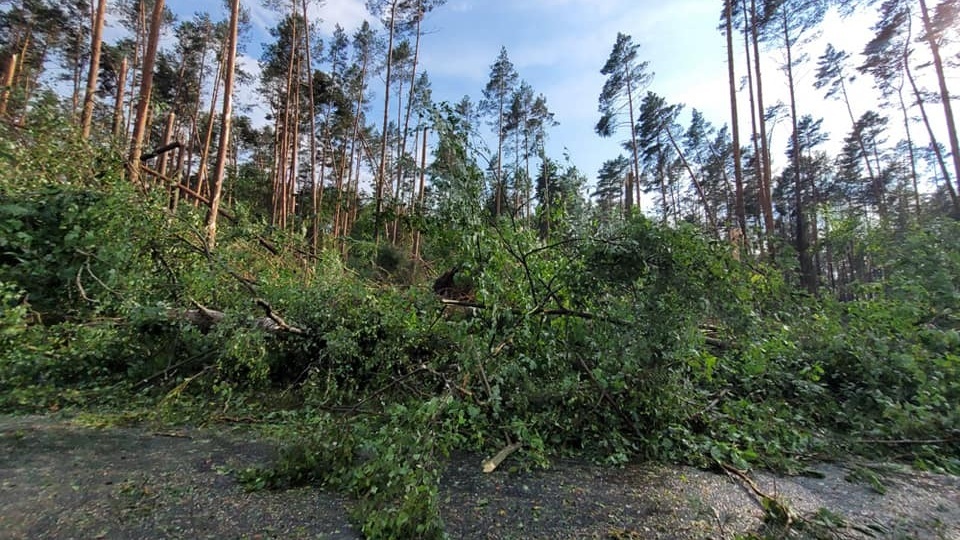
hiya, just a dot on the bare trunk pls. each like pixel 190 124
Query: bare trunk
pixel 712 221
pixel 8 75
pixel 316 192
pixel 118 103
pixel 146 87
pixel 634 148
pixel 195 119
pixel 344 172
pixel 754 138
pixel 808 274
pixel 941 160
pixel 167 135
pixel 202 173
pixel 740 206
pixel 220 167
pixel 420 196
pixel 766 179
pixel 382 166
pixel 945 97
pixel 95 46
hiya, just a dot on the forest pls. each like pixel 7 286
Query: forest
pixel 381 276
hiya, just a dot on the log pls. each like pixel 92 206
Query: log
pixel 206 318
pixel 490 465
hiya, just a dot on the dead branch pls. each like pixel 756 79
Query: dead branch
pixel 560 312
pixel 896 442
pixel 83 292
pixel 490 465
pixel 277 321
pixel 168 369
pixel 161 150
pixel 767 503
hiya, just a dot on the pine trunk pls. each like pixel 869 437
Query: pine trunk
pixel 146 87
pixel 945 97
pixel 382 166
pixel 220 167
pixel 740 206
pixel 96 42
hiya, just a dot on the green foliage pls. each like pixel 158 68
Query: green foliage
pixel 634 341
pixel 390 464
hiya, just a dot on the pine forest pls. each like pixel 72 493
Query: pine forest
pixel 206 217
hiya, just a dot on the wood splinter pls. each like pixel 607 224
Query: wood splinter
pixel 490 465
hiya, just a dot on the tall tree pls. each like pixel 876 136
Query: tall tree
pixel 888 58
pixel 316 191
pixel 626 76
pixel 146 87
pixel 31 32
pixel 417 11
pixel 610 183
pixel 389 12
pixel 518 116
pixel 230 63
pixel 789 21
pixel 658 152
pixel 366 46
pixel 831 74
pixel 753 25
pixel 935 26
pixel 728 11
pixel 496 98
pixel 96 40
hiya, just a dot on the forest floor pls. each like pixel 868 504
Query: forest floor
pixel 63 478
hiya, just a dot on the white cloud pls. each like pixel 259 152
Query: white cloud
pixel 350 14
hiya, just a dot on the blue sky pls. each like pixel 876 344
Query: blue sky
pixel 559 46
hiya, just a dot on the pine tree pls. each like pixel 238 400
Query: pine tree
pixel 626 77
pixel 728 14
pixel 230 63
pixel 496 98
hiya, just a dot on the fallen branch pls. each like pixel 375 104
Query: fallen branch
pixel 490 465
pixel 896 442
pixel 276 320
pixel 206 318
pixel 560 312
pixel 162 150
pixel 772 506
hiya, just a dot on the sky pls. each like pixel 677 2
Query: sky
pixel 559 47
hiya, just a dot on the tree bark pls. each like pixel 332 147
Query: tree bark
pixel 735 125
pixel 382 166
pixel 766 179
pixel 96 42
pixel 217 188
pixel 945 97
pixel 632 179
pixel 8 75
pixel 941 161
pixel 118 103
pixel 146 86
pixel 808 274
pixel 316 193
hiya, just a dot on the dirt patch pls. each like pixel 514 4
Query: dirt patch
pixel 61 480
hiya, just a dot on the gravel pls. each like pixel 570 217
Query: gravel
pixel 61 480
